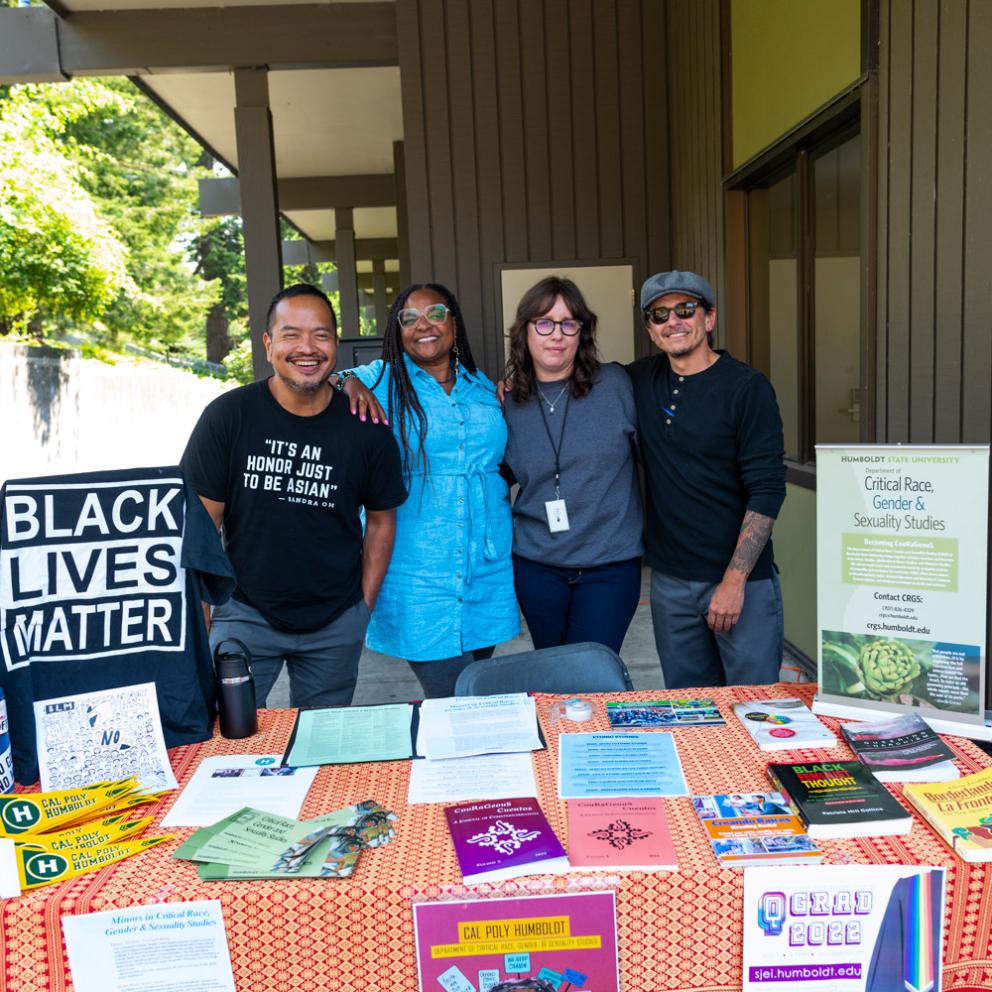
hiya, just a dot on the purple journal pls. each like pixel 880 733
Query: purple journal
pixel 504 838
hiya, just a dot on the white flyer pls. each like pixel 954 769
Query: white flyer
pixel 169 947
pixel 843 928
pixel 456 727
pixel 479 776
pixel 102 736
pixel 223 784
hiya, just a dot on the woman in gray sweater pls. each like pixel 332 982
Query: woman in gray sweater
pixel 577 517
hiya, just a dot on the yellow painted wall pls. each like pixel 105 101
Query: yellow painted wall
pixel 795 554
pixel 788 57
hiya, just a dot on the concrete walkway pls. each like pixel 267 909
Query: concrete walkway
pixel 383 679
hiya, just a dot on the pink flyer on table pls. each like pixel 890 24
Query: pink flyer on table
pixel 561 942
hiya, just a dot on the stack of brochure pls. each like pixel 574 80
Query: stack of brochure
pixel 252 844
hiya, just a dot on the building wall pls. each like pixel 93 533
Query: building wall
pixel 934 315
pixel 538 129
pixel 695 123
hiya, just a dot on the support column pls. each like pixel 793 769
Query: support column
pixel 402 228
pixel 379 295
pixel 259 203
pixel 344 252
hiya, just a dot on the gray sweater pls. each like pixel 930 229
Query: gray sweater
pixel 598 478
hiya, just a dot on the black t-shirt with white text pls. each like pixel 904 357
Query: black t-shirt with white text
pixel 292 489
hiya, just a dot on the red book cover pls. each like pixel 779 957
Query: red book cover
pixel 627 834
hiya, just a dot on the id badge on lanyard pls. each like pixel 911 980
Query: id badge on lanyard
pixel 557 515
pixel 555 508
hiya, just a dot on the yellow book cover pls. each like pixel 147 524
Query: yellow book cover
pixel 960 811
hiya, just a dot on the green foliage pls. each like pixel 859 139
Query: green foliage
pixel 99 220
pixel 141 168
pixel 219 254
pixel 238 362
pixel 58 253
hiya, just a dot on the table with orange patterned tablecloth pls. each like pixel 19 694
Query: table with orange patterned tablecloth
pixel 677 930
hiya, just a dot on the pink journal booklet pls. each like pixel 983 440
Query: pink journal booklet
pixel 620 834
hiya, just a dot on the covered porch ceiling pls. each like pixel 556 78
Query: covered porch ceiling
pixel 333 82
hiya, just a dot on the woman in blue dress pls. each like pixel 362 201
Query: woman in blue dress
pixel 447 598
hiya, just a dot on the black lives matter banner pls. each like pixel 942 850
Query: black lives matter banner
pixel 91 570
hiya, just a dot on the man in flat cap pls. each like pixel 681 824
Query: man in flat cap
pixel 711 441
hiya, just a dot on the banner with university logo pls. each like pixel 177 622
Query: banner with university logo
pixel 902 582
pixel 101 579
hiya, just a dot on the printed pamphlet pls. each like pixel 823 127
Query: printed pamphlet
pixel 754 828
pixel 504 838
pixel 620 835
pixel 843 928
pixel 565 942
pixel 664 713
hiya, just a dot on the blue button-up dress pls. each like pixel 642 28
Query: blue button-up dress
pixel 449 587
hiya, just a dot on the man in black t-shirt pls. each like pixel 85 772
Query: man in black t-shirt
pixel 286 469
pixel 711 441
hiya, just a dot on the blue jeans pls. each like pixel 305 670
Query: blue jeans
pixel 693 655
pixel 576 605
pixel 323 664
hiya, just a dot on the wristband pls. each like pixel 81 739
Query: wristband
pixel 343 377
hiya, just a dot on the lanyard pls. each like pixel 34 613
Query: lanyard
pixel 554 448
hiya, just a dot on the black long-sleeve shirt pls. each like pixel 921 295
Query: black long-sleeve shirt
pixel 712 449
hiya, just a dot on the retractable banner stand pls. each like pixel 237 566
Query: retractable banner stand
pixel 902 583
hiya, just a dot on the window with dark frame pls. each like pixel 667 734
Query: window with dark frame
pixel 803 263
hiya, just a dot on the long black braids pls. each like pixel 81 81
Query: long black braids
pixel 404 405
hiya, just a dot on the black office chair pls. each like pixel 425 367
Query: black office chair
pixel 566 669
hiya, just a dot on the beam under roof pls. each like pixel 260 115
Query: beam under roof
pixel 36 45
pixel 219 197
pixel 366 250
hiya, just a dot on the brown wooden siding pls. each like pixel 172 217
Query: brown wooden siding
pixel 534 131
pixel 695 127
pixel 934 331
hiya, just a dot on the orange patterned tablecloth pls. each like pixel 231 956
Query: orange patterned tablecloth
pixel 677 931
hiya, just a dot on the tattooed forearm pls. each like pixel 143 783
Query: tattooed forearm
pixel 755 531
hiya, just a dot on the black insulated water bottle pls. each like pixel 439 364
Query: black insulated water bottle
pixel 235 690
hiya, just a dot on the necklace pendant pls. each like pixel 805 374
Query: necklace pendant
pixel 551 407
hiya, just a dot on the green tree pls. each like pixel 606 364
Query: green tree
pixel 141 167
pixel 218 254
pixel 58 253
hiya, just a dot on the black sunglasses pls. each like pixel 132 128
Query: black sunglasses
pixel 659 315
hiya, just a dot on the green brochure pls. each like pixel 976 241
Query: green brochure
pixel 350 735
pixel 253 838
pixel 253 844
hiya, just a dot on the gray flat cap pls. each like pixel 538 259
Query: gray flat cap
pixel 689 283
